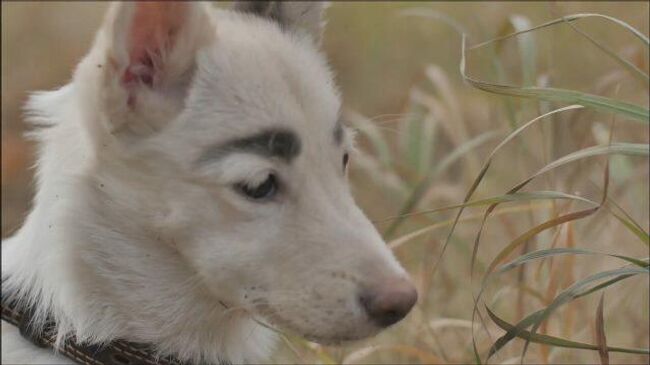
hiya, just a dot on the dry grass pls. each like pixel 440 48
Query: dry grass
pixel 502 284
pixel 515 216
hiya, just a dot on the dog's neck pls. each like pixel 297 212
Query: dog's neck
pixel 102 276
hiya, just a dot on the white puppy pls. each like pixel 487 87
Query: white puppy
pixel 192 187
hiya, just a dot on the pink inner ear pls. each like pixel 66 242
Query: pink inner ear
pixel 152 33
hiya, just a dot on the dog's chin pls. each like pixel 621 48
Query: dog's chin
pixel 340 338
pixel 335 340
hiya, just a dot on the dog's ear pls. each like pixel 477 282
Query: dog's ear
pixel 152 48
pixel 298 16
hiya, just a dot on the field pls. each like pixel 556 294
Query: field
pixel 507 170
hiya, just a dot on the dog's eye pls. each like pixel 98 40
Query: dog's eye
pixel 346 159
pixel 266 190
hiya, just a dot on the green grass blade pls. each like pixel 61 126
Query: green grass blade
pixel 578 288
pixel 640 233
pixel 545 253
pixel 569 18
pixel 619 148
pixel 549 340
pixel 622 216
pixel 518 330
pixel 600 103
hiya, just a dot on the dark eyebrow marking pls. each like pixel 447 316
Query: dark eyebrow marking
pixel 280 143
pixel 338 133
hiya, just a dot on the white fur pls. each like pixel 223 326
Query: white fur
pixel 129 238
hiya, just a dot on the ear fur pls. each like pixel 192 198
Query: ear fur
pixel 295 16
pixel 151 53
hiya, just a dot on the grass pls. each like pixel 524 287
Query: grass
pixel 516 287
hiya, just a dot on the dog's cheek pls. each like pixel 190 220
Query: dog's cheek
pixel 183 206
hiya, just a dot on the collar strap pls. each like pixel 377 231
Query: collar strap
pixel 117 352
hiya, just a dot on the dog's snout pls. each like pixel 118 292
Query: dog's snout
pixel 390 301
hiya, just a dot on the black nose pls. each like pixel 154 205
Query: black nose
pixel 389 302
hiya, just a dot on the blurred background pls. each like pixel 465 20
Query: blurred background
pixel 424 135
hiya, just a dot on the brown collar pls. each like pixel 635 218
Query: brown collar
pixel 117 352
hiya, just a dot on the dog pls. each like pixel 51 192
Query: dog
pixel 192 194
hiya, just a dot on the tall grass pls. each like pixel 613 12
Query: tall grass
pixel 508 228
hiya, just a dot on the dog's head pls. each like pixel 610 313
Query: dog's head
pixel 223 130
